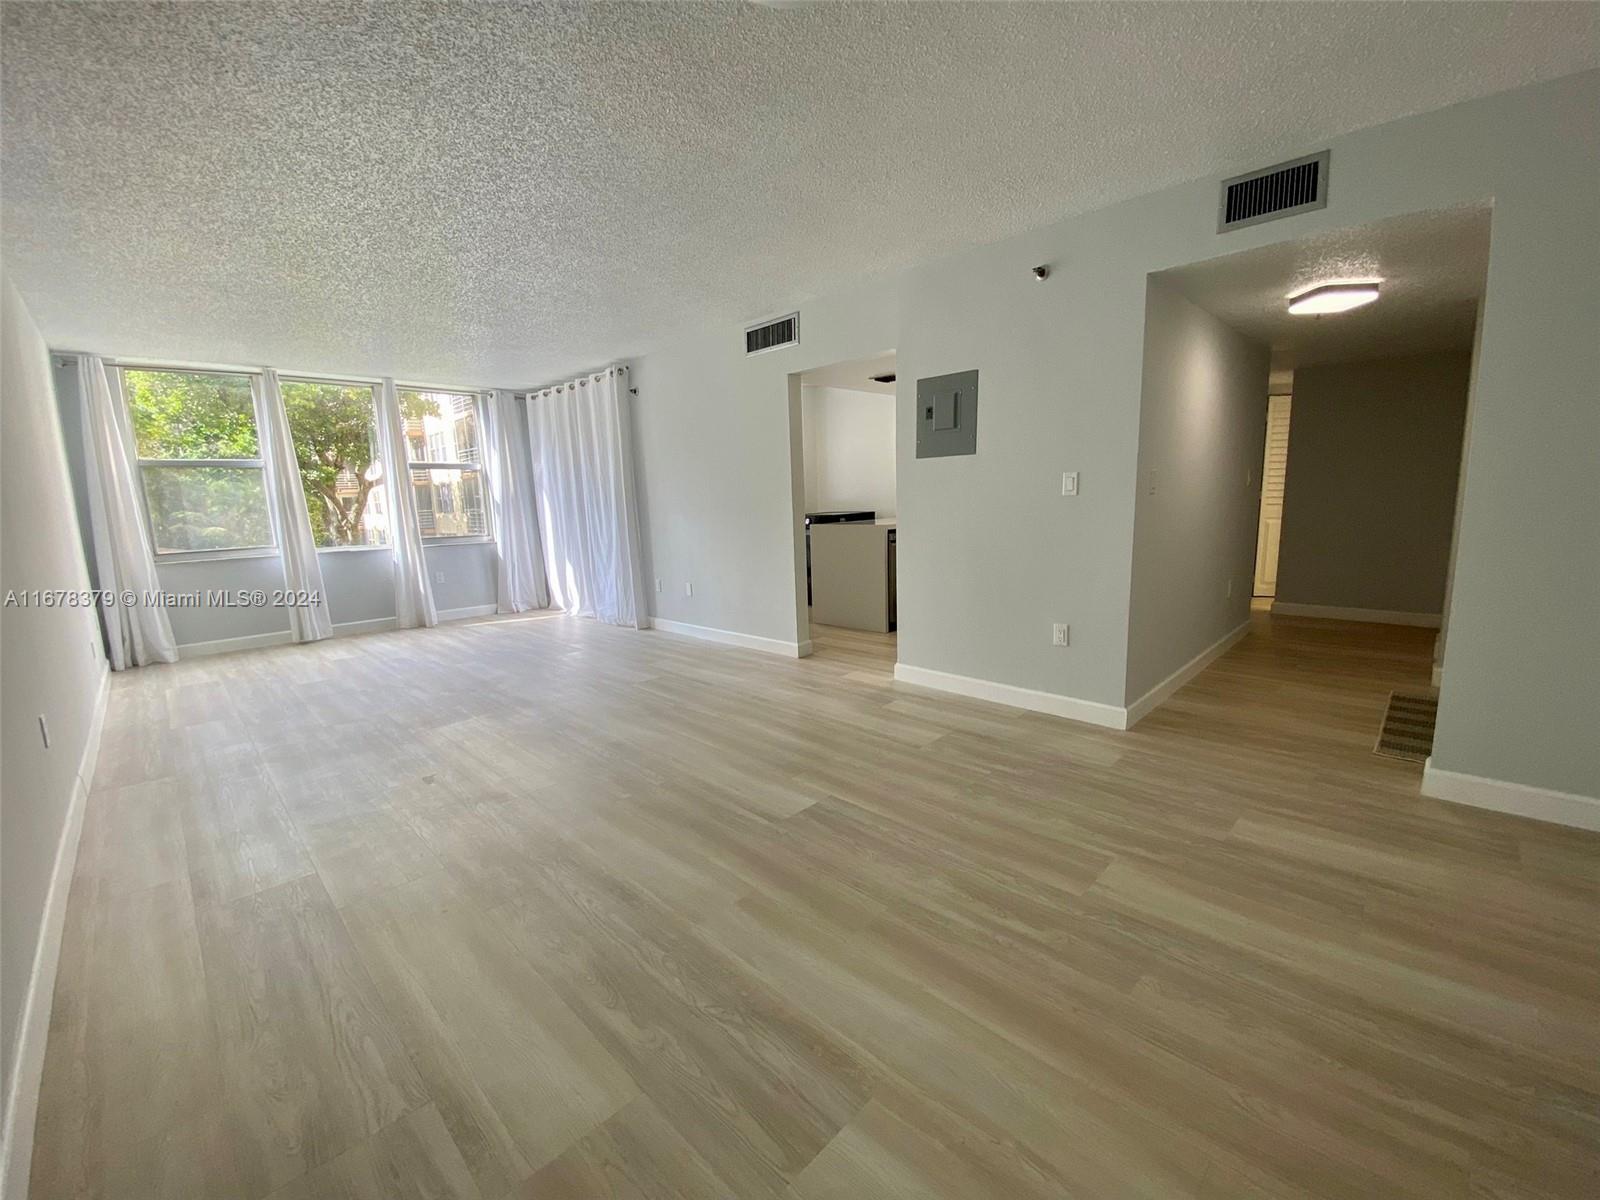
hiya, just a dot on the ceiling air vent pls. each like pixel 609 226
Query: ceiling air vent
pixel 773 335
pixel 1280 191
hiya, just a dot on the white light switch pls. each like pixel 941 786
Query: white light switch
pixel 1069 483
pixel 1061 635
pixel 688 588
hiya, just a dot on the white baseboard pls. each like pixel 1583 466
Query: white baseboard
pixel 728 637
pixel 357 628
pixel 461 614
pixel 1140 708
pixel 1109 716
pixel 22 1102
pixel 1373 616
pixel 254 641
pixel 1542 804
pixel 283 637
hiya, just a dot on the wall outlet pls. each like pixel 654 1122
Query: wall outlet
pixel 658 586
pixel 1151 479
pixel 688 588
pixel 438 576
pixel 1061 635
pixel 1069 483
pixel 44 731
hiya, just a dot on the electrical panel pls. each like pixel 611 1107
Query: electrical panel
pixel 947 415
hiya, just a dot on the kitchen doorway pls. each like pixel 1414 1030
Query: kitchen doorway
pixel 846 494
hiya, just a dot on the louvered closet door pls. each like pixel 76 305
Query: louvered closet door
pixel 1272 476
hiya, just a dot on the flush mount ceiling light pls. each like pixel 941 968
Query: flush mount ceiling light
pixel 1333 298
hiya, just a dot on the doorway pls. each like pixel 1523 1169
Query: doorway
pixel 1274 466
pixel 847 497
pixel 1344 417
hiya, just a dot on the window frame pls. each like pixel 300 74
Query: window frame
pixel 267 550
pixel 480 468
pixel 288 377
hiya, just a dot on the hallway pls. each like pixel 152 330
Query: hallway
pixel 1312 688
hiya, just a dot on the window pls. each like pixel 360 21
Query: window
pixel 335 443
pixel 199 460
pixel 448 481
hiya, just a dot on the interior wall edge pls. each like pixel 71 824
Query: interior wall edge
pixel 1138 709
pixel 22 1099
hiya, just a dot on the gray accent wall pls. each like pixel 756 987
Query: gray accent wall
pixel 1202 428
pixel 1370 496
pixel 990 553
pixel 468 576
pixel 51 663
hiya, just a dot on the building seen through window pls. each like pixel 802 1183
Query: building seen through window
pixel 441 433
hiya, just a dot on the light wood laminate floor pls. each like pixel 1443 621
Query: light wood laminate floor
pixel 542 908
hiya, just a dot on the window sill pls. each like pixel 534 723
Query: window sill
pixel 351 549
pixel 457 541
pixel 173 557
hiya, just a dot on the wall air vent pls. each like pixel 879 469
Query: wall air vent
pixel 1280 191
pixel 773 335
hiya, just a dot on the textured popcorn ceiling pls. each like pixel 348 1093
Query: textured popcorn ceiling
pixel 502 194
pixel 1431 269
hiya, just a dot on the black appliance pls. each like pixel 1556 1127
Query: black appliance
pixel 894 600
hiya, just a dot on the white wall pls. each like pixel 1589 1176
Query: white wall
pixel 716 433
pixel 1202 428
pixel 992 554
pixel 1374 457
pixel 849 449
pixel 50 665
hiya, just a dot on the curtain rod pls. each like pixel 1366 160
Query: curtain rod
pixel 626 368
pixel 172 364
pixel 156 364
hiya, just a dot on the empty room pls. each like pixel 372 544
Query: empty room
pixel 799 600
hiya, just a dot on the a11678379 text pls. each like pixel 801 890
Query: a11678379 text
pixel 158 598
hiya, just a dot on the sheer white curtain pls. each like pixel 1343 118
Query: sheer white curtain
pixel 125 565
pixel 582 441
pixel 302 572
pixel 522 583
pixel 413 594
